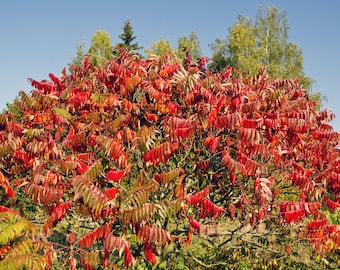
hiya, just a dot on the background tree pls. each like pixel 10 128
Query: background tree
pixel 219 57
pixel 241 47
pixel 127 38
pixel 80 55
pixel 192 44
pixel 264 41
pixel 101 48
pixel 186 44
pixel 160 47
pixel 284 58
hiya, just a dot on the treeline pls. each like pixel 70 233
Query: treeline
pixel 251 43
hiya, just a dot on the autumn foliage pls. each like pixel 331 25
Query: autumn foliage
pixel 142 154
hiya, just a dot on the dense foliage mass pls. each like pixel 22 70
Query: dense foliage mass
pixel 132 163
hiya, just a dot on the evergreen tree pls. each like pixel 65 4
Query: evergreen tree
pixel 127 38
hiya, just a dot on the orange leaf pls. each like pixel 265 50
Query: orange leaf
pixel 288 249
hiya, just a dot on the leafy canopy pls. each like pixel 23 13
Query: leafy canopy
pixel 264 41
pixel 192 44
pixel 80 55
pixel 160 47
pixel 132 162
pixel 101 48
pixel 185 45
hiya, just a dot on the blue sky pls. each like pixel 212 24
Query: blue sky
pixel 39 37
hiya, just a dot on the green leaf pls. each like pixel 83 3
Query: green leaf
pixel 63 113
pixel 12 227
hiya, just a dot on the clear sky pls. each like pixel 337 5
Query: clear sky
pixel 39 37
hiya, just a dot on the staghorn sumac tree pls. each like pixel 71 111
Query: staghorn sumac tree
pixel 135 162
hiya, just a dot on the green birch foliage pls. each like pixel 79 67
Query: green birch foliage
pixel 192 44
pixel 251 44
pixel 101 48
pixel 159 47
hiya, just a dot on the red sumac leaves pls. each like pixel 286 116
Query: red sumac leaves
pixel 115 176
pixel 161 153
pixel 138 145
pixel 154 235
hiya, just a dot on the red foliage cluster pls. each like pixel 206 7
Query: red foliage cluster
pixel 140 142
